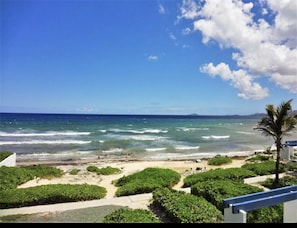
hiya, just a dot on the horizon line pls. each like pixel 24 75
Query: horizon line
pixel 113 114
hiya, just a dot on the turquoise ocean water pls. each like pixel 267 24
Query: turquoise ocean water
pixel 62 137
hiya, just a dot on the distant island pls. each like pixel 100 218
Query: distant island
pixel 230 115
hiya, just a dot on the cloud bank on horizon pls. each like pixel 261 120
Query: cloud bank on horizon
pixel 264 44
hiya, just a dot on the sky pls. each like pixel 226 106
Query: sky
pixel 179 57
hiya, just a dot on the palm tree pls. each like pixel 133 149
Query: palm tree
pixel 277 124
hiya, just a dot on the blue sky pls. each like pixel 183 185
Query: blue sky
pixel 209 57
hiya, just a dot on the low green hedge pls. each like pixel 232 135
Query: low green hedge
pixel 217 174
pixel 12 177
pixel 263 168
pixel 146 181
pixel 104 171
pixel 259 158
pixel 128 215
pixel 48 194
pixel 219 160
pixel 215 191
pixel 182 207
pixel 283 182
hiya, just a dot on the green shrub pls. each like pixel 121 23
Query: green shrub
pixel 216 174
pixel 11 177
pixel 263 168
pixel 283 182
pixel 109 170
pixel 127 215
pixel 74 171
pixel 48 194
pixel 216 191
pixel 43 171
pixel 292 166
pixel 219 160
pixel 259 158
pixel 181 207
pixel 272 214
pixel 146 181
pixel 104 171
pixel 92 168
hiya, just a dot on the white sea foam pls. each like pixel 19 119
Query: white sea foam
pixel 143 131
pixel 216 137
pixel 192 128
pixel 31 142
pixel 113 150
pixel 198 155
pixel 155 149
pixel 179 155
pixel 187 147
pixel 45 134
pixel 62 155
pixel 138 137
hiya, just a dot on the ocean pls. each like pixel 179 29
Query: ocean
pixel 64 137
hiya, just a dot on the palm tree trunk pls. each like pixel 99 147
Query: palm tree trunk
pixel 278 148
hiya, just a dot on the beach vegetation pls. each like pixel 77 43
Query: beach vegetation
pixel 291 166
pixel 146 181
pixel 12 177
pixel 43 171
pixel 182 207
pixel 203 205
pixel 219 160
pixel 103 171
pixel 259 158
pixel 13 218
pixel 128 215
pixel 283 182
pixel 4 155
pixel 237 174
pixel 264 168
pixel 278 122
pixel 74 171
pixel 48 194
pixel 215 191
pixel 271 214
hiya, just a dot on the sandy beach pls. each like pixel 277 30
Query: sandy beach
pixel 95 210
pixel 127 167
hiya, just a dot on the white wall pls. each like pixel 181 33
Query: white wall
pixel 9 161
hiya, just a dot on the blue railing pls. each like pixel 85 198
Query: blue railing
pixel 290 143
pixel 258 200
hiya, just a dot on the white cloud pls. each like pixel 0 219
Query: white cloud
pixel 85 110
pixel 239 79
pixel 171 36
pixel 185 46
pixel 189 10
pixel 266 48
pixel 186 31
pixel 153 58
pixel 161 9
